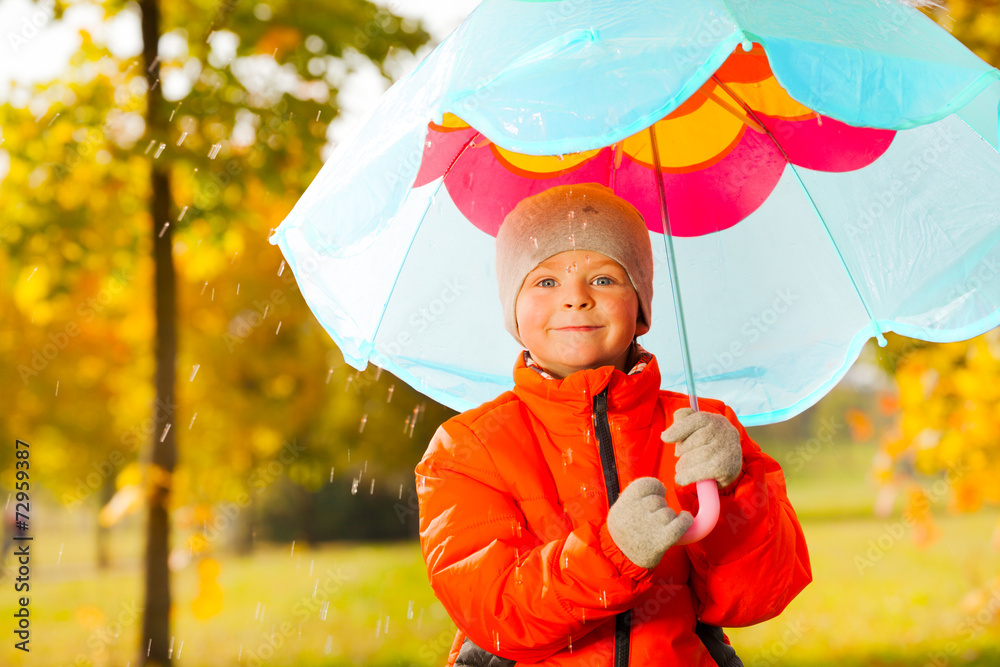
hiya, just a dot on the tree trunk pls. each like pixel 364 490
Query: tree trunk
pixel 154 648
pixel 103 532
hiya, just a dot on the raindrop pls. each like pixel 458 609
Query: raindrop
pixel 159 150
pixel 213 294
pixel 179 218
pixel 192 421
pixel 329 644
pixel 203 289
pixel 391 388
pixel 583 613
pixel 387 624
pixel 293 548
pixel 567 457
pixel 315 587
pixel 378 373
pixel 234 257
pixel 311 566
pixel 168 120
pixel 57 387
pixel 497 642
pixel 183 137
pixel 194 372
pixel 378 627
pixel 149 646
pixel 240 656
pixel 354 486
pixel 179 649
pixel 256 613
pixel 329 375
pixel 420 618
pixel 317 114
pixel 350 379
pixel 32 273
pixel 571 643
pixel 604 598
pixel 215 151
pixel 364 420
pixel 323 609
pixel 165 431
pixel 372 491
pixel 282 267
pixel 400 491
pixel 278 329
pixel 170 649
pixel 265 311
pixel 53 119
pixel 151 144
pixel 163 229
pixel 535 241
pixel 60 553
pixel 331 475
pixel 572 214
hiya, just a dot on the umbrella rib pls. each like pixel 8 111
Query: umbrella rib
pixel 871 318
pixel 672 270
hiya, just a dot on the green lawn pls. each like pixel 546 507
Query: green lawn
pixel 876 599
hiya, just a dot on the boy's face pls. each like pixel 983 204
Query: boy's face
pixel 578 310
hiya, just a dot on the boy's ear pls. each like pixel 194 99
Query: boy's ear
pixel 641 327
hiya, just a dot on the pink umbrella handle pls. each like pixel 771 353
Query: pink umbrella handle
pixel 708 512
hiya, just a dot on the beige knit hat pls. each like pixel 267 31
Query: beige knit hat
pixel 585 216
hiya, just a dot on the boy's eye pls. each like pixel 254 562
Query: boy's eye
pixel 541 283
pixel 609 281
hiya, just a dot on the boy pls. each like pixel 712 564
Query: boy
pixel 547 515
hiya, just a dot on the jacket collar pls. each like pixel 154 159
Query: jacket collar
pixel 634 395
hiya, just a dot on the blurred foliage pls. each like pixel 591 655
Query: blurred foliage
pixel 949 421
pixel 258 379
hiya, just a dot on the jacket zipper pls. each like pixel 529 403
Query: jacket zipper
pixel 623 621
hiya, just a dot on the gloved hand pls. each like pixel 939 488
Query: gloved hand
pixel 641 523
pixel 708 447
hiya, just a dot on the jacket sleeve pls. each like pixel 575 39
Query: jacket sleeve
pixel 755 561
pixel 508 591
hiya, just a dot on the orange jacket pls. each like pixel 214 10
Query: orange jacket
pixel 513 503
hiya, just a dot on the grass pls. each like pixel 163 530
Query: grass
pixel 876 599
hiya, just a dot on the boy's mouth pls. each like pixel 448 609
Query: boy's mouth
pixel 578 328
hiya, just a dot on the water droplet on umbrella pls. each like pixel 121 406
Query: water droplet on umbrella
pixel 159 150
pixel 364 420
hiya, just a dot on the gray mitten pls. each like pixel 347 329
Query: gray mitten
pixel 708 447
pixel 642 525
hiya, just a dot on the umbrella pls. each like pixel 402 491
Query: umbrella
pixel 817 173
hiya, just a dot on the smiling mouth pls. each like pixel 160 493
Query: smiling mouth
pixel 578 328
